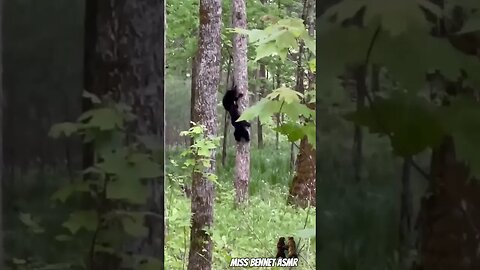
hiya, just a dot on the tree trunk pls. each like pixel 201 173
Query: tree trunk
pixel 124 55
pixel 449 218
pixel 207 80
pixel 406 214
pixel 303 188
pixel 2 173
pixel 375 79
pixel 242 159
pixel 357 156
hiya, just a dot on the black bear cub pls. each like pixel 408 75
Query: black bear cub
pixel 230 104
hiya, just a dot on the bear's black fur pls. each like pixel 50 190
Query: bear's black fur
pixel 230 104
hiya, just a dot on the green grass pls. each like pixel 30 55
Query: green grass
pixel 248 232
pixel 358 222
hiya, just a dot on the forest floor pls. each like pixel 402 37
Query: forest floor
pixel 252 231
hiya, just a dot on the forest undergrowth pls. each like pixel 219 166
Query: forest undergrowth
pixel 251 231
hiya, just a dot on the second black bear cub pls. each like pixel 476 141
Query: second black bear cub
pixel 230 104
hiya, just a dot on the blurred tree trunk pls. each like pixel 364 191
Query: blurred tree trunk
pixel 303 188
pixel 240 74
pixel 207 81
pixel 406 215
pixel 124 55
pixel 225 118
pixel 449 218
pixel 357 156
pixel 2 173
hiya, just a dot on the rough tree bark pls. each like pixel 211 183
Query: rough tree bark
pixel 207 81
pixel 240 74
pixel 124 56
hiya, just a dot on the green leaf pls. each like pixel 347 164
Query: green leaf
pixel 133 224
pixel 395 16
pixel 417 52
pixel 63 193
pixel 263 109
pixel 81 219
pixel 128 189
pixel 462 121
pixel 64 238
pixel 102 118
pixel 334 39
pixel 93 98
pixel 265 50
pixel 152 143
pixel 472 25
pixel 144 166
pixel 410 121
pixel 312 64
pixel 293 131
pixel 295 110
pixel 310 132
pixel 310 43
pixel 344 9
pixel 285 94
pixel 294 25
pixel 28 221
pixel 18 261
pixel 286 40
pixel 66 129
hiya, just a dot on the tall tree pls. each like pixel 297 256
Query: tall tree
pixel 451 205
pixel 207 81
pixel 124 44
pixel 303 188
pixel 240 75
